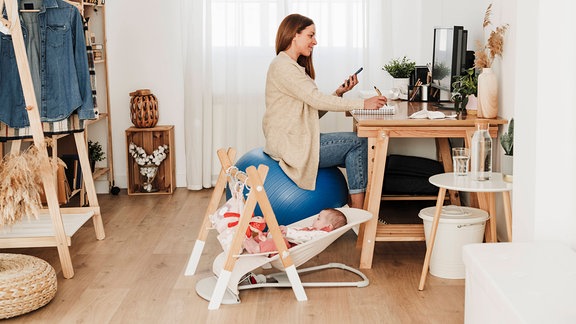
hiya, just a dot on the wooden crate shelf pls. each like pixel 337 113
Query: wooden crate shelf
pixel 149 139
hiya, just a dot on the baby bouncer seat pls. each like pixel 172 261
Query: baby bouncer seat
pixel 231 268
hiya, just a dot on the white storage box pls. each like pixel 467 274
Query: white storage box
pixel 457 227
pixel 529 282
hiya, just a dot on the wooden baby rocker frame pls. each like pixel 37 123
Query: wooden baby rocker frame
pixel 224 265
pixel 257 194
pixel 48 230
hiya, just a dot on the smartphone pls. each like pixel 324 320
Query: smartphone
pixel 359 70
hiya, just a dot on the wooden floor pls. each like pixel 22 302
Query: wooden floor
pixel 135 275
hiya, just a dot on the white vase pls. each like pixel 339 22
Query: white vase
pixel 402 85
pixel 487 94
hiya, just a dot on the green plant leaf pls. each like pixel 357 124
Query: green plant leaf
pixel 507 139
pixel 400 68
pixel 95 152
pixel 466 84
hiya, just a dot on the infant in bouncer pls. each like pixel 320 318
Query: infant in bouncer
pixel 328 220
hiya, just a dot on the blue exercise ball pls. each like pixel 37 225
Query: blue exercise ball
pixel 291 203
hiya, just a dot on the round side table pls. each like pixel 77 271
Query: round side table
pixel 486 191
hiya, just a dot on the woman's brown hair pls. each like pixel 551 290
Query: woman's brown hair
pixel 291 25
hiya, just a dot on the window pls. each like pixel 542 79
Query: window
pixel 253 23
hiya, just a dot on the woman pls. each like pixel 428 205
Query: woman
pixel 294 106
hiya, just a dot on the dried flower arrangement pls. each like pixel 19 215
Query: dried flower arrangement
pixel 484 56
pixel 20 185
pixel 142 158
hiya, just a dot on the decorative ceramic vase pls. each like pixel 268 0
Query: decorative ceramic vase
pixel 149 172
pixel 143 108
pixel 487 94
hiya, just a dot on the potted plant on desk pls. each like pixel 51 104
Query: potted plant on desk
pixel 465 88
pixel 400 70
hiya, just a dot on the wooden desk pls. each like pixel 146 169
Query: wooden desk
pixel 379 129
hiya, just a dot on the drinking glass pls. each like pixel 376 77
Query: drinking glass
pixel 460 159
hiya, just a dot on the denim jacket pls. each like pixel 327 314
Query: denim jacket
pixel 64 74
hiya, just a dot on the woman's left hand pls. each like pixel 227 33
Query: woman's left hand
pixel 348 84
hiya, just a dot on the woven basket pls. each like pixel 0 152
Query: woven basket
pixel 26 283
pixel 143 108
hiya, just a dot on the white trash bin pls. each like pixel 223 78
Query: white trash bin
pixel 457 227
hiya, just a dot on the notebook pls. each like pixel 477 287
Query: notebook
pixel 386 110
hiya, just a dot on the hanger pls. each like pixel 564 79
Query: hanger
pixel 29 7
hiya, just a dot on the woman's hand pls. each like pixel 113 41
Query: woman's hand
pixel 348 84
pixel 375 102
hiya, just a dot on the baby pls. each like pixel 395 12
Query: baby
pixel 328 220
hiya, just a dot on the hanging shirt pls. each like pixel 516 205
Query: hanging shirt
pixel 63 68
pixel 30 20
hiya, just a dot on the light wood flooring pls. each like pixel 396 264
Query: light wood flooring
pixel 136 275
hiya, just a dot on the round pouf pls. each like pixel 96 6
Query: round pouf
pixel 26 283
pixel 289 202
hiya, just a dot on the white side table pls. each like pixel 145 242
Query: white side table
pixel 486 191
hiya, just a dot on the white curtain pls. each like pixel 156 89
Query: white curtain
pixel 228 45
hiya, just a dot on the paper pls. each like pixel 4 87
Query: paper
pixel 426 114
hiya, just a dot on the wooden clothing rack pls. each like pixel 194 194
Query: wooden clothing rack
pixel 257 194
pixel 55 225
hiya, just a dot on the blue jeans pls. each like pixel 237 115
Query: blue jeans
pixel 346 149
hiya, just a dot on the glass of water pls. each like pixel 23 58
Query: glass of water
pixel 460 160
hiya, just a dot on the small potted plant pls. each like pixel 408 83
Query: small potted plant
pixel 95 154
pixel 400 70
pixel 464 86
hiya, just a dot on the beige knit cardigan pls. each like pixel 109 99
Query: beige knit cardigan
pixel 291 121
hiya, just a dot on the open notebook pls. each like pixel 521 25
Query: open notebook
pixel 386 110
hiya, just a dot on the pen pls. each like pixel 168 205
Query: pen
pixel 380 94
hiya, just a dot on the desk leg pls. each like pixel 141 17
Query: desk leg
pixel 507 213
pixel 373 197
pixel 487 203
pixel 432 238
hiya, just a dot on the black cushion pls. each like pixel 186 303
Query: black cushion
pixel 408 175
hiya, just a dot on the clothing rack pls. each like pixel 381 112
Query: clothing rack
pixel 56 224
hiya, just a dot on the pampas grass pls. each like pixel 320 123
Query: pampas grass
pixel 21 185
pixel 486 53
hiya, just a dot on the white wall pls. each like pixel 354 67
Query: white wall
pixel 144 51
pixel 545 153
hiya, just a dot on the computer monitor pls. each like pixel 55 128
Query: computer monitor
pixel 449 56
